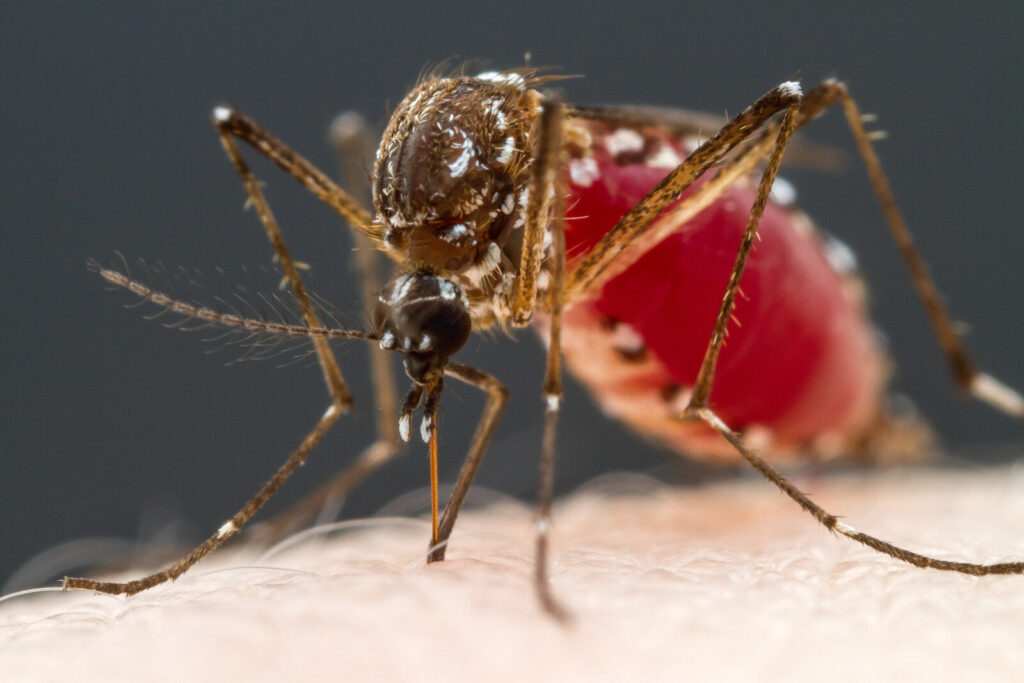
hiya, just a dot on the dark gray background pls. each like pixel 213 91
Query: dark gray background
pixel 110 420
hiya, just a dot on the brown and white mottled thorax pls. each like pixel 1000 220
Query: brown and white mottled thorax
pixel 451 183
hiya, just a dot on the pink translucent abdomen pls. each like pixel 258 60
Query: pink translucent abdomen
pixel 800 360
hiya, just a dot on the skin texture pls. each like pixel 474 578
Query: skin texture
pixel 728 582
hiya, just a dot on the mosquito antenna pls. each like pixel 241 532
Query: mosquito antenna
pixel 234 320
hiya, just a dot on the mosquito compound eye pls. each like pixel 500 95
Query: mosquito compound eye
pixel 426 318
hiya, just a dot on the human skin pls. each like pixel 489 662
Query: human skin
pixel 723 582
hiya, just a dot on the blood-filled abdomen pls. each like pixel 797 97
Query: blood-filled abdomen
pixel 800 370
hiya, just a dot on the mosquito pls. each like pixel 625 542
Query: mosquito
pixel 621 235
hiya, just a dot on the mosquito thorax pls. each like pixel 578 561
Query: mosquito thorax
pixel 426 318
pixel 452 170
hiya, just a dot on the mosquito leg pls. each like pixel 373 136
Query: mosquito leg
pixel 497 397
pixel 701 198
pixel 832 523
pixel 545 191
pixel 742 160
pixel 547 167
pixel 553 400
pixel 631 244
pixel 963 368
pixel 980 385
pixel 232 526
pixel 702 386
pixel 313 505
pixel 351 139
pixel 785 96
pixel 228 124
pixel 630 238
pixel 547 182
pixel 228 529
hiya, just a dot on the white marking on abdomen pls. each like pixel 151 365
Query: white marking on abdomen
pixel 665 157
pixel 583 172
pixel 623 140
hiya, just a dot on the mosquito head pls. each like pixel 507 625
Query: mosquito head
pixel 426 318
pixel 452 168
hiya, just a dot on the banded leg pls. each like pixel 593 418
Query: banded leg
pixel 964 370
pixel 980 385
pixel 497 397
pixel 227 530
pixel 547 167
pixel 966 374
pixel 232 526
pixel 545 208
pixel 350 137
pixel 783 97
pixel 228 124
pixel 551 141
pixel 631 241
pixel 702 387
pixel 832 523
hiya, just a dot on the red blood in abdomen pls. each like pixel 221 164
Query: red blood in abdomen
pixel 802 359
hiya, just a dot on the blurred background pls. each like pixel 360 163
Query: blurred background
pixel 116 427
